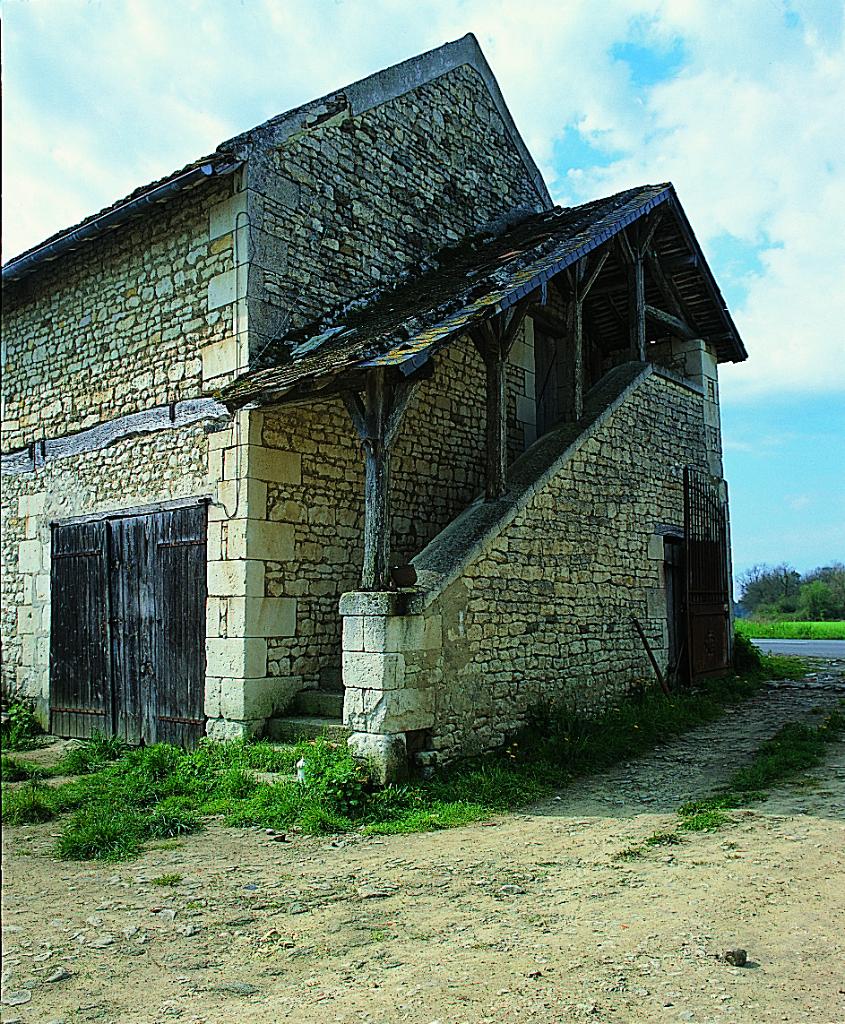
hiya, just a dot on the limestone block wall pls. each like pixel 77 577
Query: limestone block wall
pixel 341 206
pixel 696 361
pixel 167 465
pixel 121 325
pixel 540 613
pixel 245 619
pixel 437 470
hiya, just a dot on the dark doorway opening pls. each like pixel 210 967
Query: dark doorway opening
pixel 674 574
pixel 707 584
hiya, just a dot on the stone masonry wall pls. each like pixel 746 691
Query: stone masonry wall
pixel 135 320
pixel 168 465
pixel 119 326
pixel 437 470
pixel 541 615
pixel 341 207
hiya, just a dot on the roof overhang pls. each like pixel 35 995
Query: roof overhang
pixel 128 209
pixel 403 329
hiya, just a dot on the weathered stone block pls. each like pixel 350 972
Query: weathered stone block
pixel 28 619
pixel 220 359
pixel 385 756
pixel 235 578
pixel 225 729
pixel 656 547
pixel 252 699
pixel 353 633
pixel 370 671
pixel 223 289
pixel 236 657
pixel 274 465
pixel 223 216
pixel 259 538
pixel 30 555
pixel 390 711
pixel 238 498
pixel 260 616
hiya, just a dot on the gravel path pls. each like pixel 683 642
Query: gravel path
pixel 528 918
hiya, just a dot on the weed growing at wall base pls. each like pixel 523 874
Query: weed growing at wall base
pixel 131 797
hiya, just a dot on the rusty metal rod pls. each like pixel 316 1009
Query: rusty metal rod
pixel 663 684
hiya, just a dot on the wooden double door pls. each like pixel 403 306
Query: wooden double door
pixel 127 638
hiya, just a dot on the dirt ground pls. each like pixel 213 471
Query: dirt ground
pixel 527 918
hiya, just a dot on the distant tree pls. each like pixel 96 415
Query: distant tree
pixel 777 587
pixel 817 602
pixel 833 576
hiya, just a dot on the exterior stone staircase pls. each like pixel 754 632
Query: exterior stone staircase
pixel 312 713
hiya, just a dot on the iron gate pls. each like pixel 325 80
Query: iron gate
pixel 127 647
pixel 707 582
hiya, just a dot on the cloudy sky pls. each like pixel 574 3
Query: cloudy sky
pixel 738 102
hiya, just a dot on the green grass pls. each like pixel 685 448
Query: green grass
pixel 167 881
pixel 12 770
pixel 123 799
pixel 794 749
pixel 21 729
pixel 791 630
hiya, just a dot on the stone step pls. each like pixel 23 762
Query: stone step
pixel 291 728
pixel 322 703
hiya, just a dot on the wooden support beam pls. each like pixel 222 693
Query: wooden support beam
pixel 496 428
pixel 636 308
pixel 494 338
pixel 377 418
pixel 671 296
pixel 672 323
pixel 584 289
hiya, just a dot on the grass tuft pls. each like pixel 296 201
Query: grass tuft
pixel 12 770
pixel 122 799
pixel 28 804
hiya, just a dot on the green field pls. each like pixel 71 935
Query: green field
pixel 792 630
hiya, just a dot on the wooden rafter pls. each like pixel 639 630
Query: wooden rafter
pixel 672 323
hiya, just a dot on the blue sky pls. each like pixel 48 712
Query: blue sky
pixel 738 102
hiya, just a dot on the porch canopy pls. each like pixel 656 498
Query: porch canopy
pixel 485 275
pixel 626 262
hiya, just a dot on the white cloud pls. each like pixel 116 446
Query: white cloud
pixel 749 129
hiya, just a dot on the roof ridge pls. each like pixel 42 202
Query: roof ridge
pixel 362 95
pixel 396 80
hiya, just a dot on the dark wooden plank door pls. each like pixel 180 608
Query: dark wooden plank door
pixel 128 636
pixel 707 584
pixel 131 584
pixel 180 592
pixel 80 658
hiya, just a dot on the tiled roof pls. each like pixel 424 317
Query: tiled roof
pixel 468 283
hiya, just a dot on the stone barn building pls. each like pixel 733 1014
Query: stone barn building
pixel 347 423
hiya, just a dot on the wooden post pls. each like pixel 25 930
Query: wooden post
pixel 637 307
pixel 581 285
pixel 377 420
pixel 578 344
pixel 494 338
pixel 497 428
